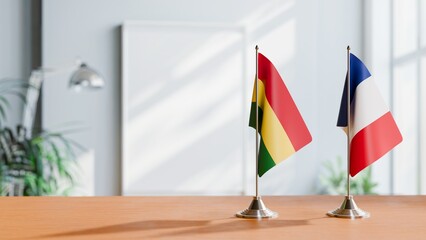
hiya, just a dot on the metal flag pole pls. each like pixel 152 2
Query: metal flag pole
pixel 348 209
pixel 257 121
pixel 349 122
pixel 257 208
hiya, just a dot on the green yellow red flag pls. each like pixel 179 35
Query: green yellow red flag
pixel 281 127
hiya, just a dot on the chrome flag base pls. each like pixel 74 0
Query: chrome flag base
pixel 349 209
pixel 257 209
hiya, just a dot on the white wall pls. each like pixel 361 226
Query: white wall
pixel 340 24
pixel 393 41
pixel 378 59
pixel 15 48
pixel 306 40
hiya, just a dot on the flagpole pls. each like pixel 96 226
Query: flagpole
pixel 257 208
pixel 257 124
pixel 349 119
pixel 348 209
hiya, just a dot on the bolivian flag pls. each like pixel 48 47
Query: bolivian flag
pixel 281 127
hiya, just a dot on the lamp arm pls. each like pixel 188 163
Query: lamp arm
pixel 56 70
pixel 33 93
pixel 31 100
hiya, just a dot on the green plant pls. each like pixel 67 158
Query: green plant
pixel 335 177
pixel 33 166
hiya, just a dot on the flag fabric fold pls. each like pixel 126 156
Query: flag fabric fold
pixel 281 127
pixel 373 129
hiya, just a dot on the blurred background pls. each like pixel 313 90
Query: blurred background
pixel 172 115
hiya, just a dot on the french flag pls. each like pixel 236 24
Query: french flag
pixel 373 129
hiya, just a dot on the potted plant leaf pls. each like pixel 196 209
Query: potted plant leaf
pixel 333 181
pixel 32 164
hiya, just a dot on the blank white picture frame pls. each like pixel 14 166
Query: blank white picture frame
pixel 184 109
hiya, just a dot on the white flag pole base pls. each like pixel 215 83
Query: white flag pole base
pixel 257 209
pixel 349 209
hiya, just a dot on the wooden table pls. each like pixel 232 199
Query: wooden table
pixel 301 217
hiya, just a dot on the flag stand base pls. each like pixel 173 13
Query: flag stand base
pixel 257 209
pixel 349 209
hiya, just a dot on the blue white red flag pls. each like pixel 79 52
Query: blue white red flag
pixel 373 129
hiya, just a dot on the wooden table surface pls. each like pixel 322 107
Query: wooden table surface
pixel 300 217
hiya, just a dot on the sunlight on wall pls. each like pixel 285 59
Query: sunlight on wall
pixel 266 13
pixel 405 33
pixel 214 45
pixel 190 108
pixel 407 96
pixel 284 36
pixel 406 115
